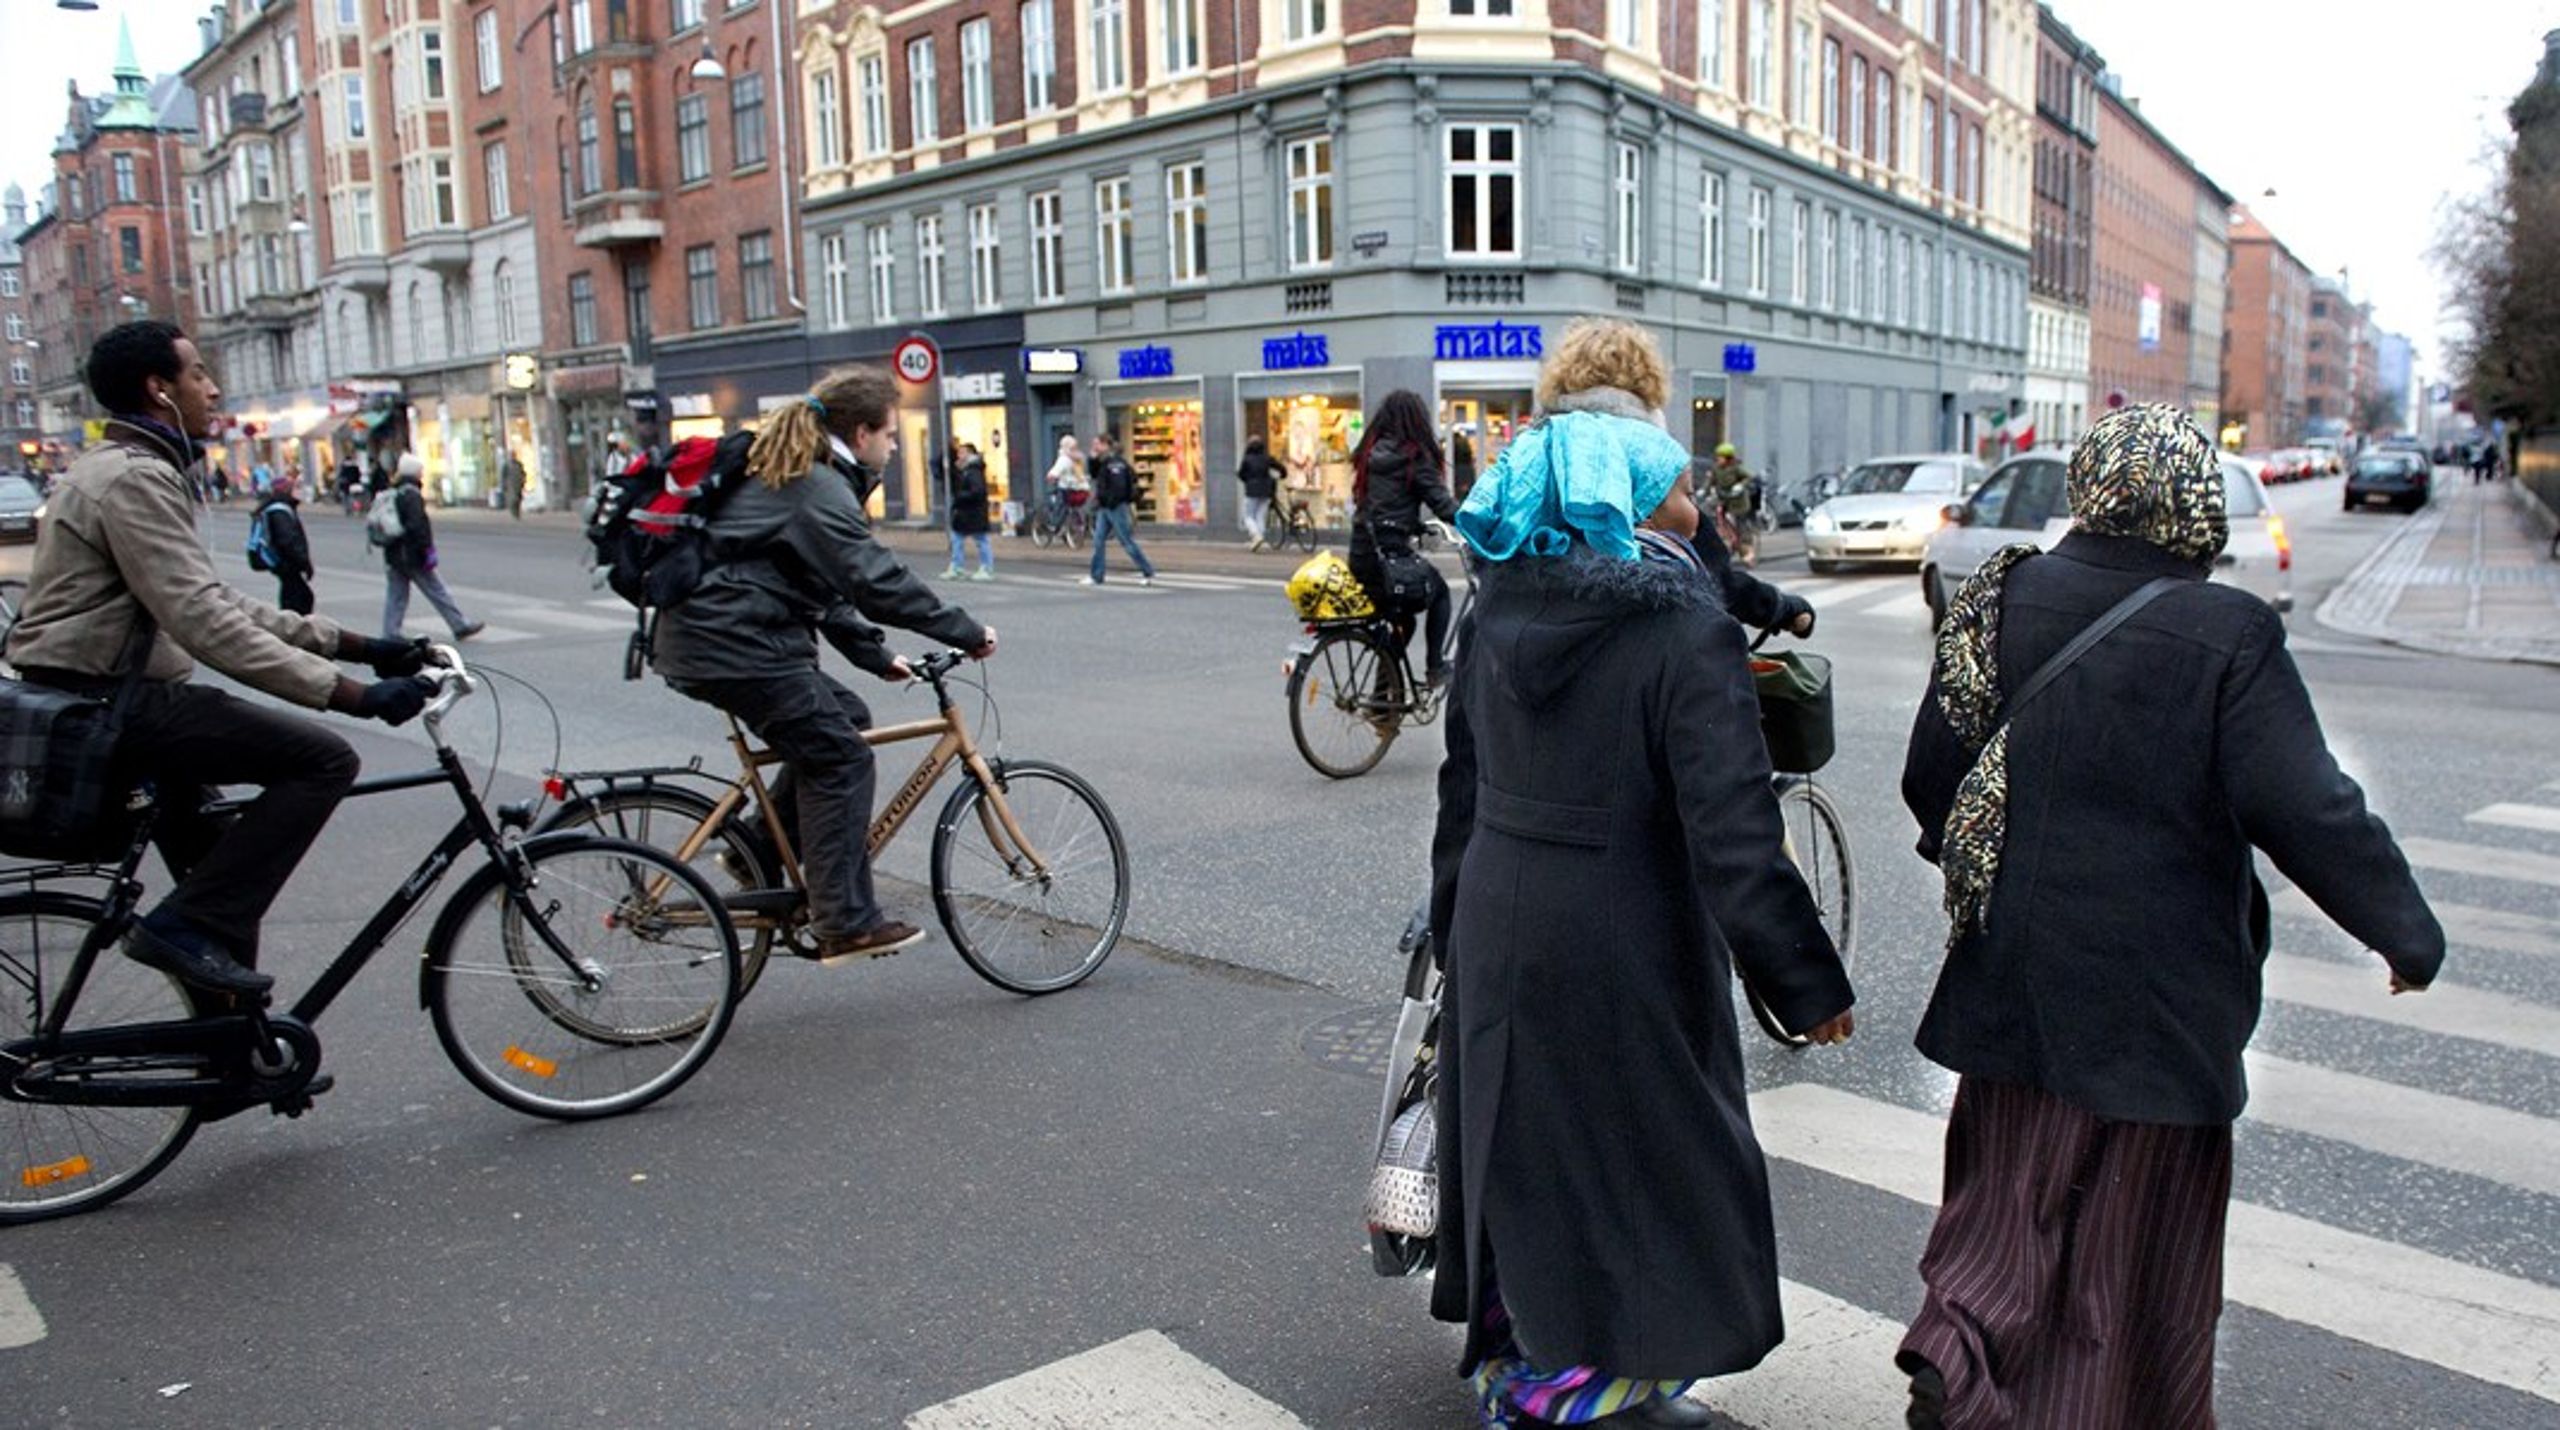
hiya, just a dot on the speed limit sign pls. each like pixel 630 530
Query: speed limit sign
pixel 916 360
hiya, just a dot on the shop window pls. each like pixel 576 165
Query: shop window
pixel 1162 441
pixel 1311 436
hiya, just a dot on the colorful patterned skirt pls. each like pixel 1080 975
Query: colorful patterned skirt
pixel 1508 1387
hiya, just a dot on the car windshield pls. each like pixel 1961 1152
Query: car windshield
pixel 18 491
pixel 2240 496
pixel 2388 465
pixel 1872 478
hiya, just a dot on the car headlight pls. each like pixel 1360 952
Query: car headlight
pixel 1922 522
pixel 1818 523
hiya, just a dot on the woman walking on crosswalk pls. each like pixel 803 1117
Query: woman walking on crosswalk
pixel 2093 806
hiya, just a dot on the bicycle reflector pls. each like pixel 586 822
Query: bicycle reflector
pixel 52 1172
pixel 1325 590
pixel 539 1067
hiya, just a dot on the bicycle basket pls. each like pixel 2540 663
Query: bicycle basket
pixel 1795 709
pixel 1325 590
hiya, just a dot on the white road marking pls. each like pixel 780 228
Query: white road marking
pixel 2478 1323
pixel 1874 596
pixel 2485 860
pixel 2541 817
pixel 565 619
pixel 2412 1124
pixel 1909 603
pixel 2465 925
pixel 1140 1382
pixel 2448 1009
pixel 1834 1368
pixel 21 1324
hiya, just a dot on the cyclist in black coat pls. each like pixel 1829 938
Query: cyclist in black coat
pixel 1396 474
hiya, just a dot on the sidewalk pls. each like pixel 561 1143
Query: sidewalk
pixel 2470 576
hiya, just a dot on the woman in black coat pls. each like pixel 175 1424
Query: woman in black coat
pixel 1260 477
pixel 2102 976
pixel 969 513
pixel 1395 477
pixel 1607 849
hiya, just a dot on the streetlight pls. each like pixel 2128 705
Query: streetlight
pixel 708 67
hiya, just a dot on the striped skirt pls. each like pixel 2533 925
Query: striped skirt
pixel 2075 1272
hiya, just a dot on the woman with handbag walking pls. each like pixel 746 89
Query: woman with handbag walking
pixel 1395 475
pixel 1607 848
pixel 2106 736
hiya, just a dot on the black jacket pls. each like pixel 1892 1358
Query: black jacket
pixel 1260 475
pixel 786 563
pixel 1401 484
pixel 2119 969
pixel 1115 482
pixel 1607 846
pixel 969 498
pixel 285 536
pixel 417 533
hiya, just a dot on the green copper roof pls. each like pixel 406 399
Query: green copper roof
pixel 130 108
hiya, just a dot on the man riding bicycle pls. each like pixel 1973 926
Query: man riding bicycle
pixel 120 556
pixel 792 556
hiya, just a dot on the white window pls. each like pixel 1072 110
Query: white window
pixel 875 106
pixel 1880 303
pixel 1764 37
pixel 1831 91
pixel 929 264
pixel 1830 301
pixel 484 44
pixel 1902 284
pixel 443 202
pixel 1311 203
pixel 826 118
pixel 1186 208
pixel 1048 247
pixel 834 281
pixel 1483 194
pixel 1111 235
pixel 977 75
pixel 1758 276
pixel 1713 25
pixel 510 331
pixel 1801 102
pixel 17 327
pixel 1858 104
pixel 1181 22
pixel 1711 231
pixel 289 65
pixel 1492 9
pixel 693 138
pixel 493 169
pixel 1626 23
pixel 351 96
pixel 923 100
pixel 1800 255
pixel 195 207
pixel 986 268
pixel 1306 19
pixel 364 230
pixel 19 372
pixel 1858 269
pixel 582 26
pixel 883 262
pixel 687 14
pixel 1627 188
pixel 1110 46
pixel 1039 55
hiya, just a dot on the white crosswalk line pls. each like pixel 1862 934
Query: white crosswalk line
pixel 565 619
pixel 21 1324
pixel 1909 603
pixel 1870 595
pixel 2478 1323
pixel 610 603
pixel 1834 1368
pixel 1140 1382
pixel 2448 1009
pixel 2540 817
pixel 2465 925
pixel 2412 1124
pixel 2486 860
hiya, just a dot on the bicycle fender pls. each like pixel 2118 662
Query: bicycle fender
pixel 458 905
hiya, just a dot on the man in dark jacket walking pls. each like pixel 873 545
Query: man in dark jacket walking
pixel 1115 488
pixel 1261 479
pixel 409 559
pixel 278 524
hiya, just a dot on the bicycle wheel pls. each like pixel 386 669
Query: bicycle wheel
pixel 1346 704
pixel 13 599
pixel 1025 928
pixel 62 1159
pixel 1303 527
pixel 1044 525
pixel 1818 841
pixel 600 988
pixel 736 861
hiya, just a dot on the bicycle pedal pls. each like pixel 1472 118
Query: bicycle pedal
pixel 294 1104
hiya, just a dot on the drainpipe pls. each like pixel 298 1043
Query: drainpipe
pixel 782 157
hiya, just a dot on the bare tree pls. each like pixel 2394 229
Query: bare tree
pixel 2496 250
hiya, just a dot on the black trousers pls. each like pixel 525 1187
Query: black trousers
pixel 186 739
pixel 1435 615
pixel 824 795
pixel 293 592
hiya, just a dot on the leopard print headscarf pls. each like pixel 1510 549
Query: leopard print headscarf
pixel 2144 472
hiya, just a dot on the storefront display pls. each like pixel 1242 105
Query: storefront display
pixel 1162 440
pixel 1311 436
pixel 1487 417
pixel 982 425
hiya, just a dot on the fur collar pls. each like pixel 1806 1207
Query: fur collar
pixel 1609 402
pixel 1585 575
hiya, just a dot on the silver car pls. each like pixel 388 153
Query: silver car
pixel 1886 508
pixel 2024 501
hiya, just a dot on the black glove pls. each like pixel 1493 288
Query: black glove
pixel 396 701
pixel 393 659
pixel 1791 607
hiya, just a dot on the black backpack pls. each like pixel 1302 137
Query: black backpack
pixel 651 528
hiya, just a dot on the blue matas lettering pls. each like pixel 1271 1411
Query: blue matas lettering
pixel 1470 342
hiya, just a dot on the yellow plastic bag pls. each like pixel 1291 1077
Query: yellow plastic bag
pixel 1325 590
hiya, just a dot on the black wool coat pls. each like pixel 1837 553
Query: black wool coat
pixel 969 498
pixel 2119 964
pixel 1607 847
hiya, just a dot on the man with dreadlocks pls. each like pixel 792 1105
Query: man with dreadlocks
pixel 792 554
pixel 2094 819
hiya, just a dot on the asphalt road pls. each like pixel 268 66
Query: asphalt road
pixel 896 1186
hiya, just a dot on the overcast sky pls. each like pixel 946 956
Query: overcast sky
pixel 2361 120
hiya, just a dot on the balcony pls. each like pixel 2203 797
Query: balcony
pixel 277 313
pixel 617 218
pixel 365 275
pixel 248 111
pixel 445 251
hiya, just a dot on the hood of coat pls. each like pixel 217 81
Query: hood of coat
pixel 1542 619
pixel 1609 402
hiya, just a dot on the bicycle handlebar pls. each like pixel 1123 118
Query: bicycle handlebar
pixel 453 679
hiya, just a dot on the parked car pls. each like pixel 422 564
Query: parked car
pixel 1886 509
pixel 2025 501
pixel 2390 476
pixel 20 501
pixel 2410 445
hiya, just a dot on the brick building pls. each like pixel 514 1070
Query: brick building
pixel 2265 376
pixel 2163 258
pixel 1188 224
pixel 2337 364
pixel 2064 252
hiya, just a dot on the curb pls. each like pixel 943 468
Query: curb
pixel 2405 547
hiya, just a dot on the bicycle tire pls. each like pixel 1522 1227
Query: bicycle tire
pixel 1303 527
pixel 1818 841
pixel 13 599
pixel 1346 702
pixel 499 1013
pixel 1071 828
pixel 735 860
pixel 63 1160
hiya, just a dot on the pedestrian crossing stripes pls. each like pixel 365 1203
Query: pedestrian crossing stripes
pixel 2445 1009
pixel 2541 817
pixel 2485 860
pixel 2511 1148
pixel 1138 1382
pixel 1834 1368
pixel 20 1323
pixel 2467 925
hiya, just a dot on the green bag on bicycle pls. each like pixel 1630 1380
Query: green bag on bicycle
pixel 1795 709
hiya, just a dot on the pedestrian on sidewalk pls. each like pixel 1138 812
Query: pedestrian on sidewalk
pixel 969 514
pixel 409 559
pixel 1115 489
pixel 1260 477
pixel 1607 849
pixel 511 478
pixel 277 537
pixel 2107 930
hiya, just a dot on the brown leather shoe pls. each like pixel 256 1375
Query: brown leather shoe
pixel 882 938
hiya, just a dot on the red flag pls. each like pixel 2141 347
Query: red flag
pixel 2027 438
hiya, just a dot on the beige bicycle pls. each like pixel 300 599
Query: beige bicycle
pixel 1028 872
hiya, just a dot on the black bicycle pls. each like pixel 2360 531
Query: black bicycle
pixel 1351 683
pixel 1060 518
pixel 1287 521
pixel 569 977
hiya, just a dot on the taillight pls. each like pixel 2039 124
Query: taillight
pixel 2284 543
pixel 555 788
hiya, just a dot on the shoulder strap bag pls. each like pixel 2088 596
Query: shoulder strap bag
pixel 59 798
pixel 2096 631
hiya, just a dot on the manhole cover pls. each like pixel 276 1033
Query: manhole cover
pixel 1353 1042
